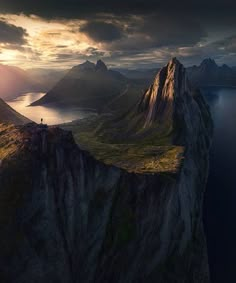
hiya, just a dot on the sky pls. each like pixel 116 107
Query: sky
pixel 127 34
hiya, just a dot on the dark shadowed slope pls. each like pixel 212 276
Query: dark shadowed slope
pixel 208 73
pixel 9 115
pixel 87 85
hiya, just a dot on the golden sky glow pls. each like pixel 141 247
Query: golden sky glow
pixel 46 41
pixel 127 41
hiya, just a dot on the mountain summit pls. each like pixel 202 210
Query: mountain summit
pixel 101 66
pixel 90 66
pixel 157 103
pixel 208 73
pixel 87 65
pixel 208 63
pixel 87 85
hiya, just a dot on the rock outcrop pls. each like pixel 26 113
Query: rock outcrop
pixel 66 217
pixel 159 101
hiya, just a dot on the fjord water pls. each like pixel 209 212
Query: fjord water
pixel 50 115
pixel 220 197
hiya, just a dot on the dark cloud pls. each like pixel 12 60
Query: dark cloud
pixel 70 56
pixel 84 8
pixel 102 31
pixel 93 52
pixel 74 8
pixel 191 30
pixel 10 34
pixel 228 44
pixel 61 46
pixel 155 31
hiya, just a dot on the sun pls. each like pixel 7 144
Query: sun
pixel 8 56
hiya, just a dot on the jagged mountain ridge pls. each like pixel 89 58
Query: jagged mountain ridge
pixel 208 73
pixel 157 103
pixel 79 220
pixel 87 85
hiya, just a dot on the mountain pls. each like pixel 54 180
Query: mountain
pixel 87 85
pixel 208 73
pixel 70 215
pixel 9 115
pixel 154 114
pixel 15 81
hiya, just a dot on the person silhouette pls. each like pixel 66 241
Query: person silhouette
pixel 41 120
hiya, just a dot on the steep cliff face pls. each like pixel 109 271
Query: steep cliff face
pixel 158 103
pixel 66 217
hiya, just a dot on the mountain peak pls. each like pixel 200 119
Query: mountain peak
pixel 174 62
pixel 87 65
pixel 101 66
pixel 208 62
pixel 157 102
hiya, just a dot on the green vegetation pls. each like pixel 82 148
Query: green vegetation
pixel 9 138
pixel 148 153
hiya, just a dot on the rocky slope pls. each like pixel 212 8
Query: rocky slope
pixel 9 115
pixel 159 101
pixel 66 217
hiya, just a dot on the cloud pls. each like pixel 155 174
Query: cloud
pixel 129 33
pixel 156 31
pixel 228 44
pixel 220 12
pixel 101 31
pixel 82 8
pixel 11 34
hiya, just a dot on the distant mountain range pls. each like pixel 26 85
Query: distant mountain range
pixel 9 115
pixel 15 81
pixel 91 86
pixel 94 86
pixel 208 73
